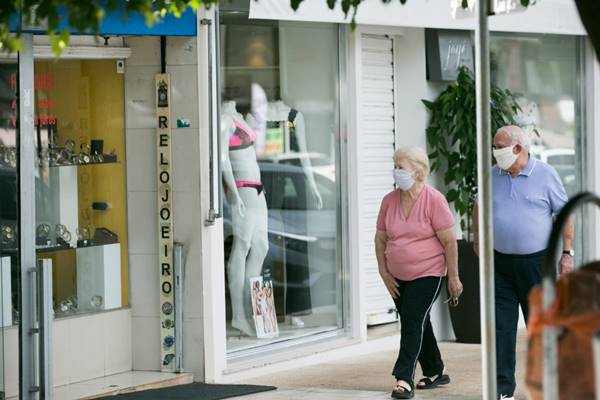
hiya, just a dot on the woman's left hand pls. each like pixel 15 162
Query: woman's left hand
pixel 455 287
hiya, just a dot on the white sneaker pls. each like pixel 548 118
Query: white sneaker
pixel 297 322
pixel 503 397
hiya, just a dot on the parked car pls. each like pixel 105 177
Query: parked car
pixel 563 160
pixel 320 163
pixel 302 238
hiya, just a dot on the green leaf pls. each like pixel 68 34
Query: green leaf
pixel 295 4
pixel 451 195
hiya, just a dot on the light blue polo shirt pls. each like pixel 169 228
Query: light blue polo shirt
pixel 524 207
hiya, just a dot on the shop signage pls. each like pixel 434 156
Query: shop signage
pixel 165 221
pixel 122 22
pixel 447 50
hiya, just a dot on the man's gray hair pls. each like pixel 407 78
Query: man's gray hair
pixel 517 135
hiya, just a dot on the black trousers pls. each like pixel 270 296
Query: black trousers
pixel 417 341
pixel 514 275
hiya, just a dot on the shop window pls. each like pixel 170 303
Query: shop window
pixel 544 71
pixel 9 211
pixel 279 120
pixel 80 183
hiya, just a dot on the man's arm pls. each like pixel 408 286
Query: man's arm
pixel 566 261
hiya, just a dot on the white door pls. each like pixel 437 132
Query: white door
pixel 376 108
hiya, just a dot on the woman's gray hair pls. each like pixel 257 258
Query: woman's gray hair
pixel 417 158
pixel 517 135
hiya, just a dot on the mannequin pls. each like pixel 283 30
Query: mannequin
pixel 245 194
pixel 294 139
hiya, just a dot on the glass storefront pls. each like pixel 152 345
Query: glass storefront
pixel 544 71
pixel 279 118
pixel 80 190
pixel 9 213
pixel 80 181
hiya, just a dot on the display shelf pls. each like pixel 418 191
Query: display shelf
pixel 103 237
pixel 92 243
pixel 82 165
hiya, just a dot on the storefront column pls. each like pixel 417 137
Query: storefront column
pixel 592 143
pixel 28 370
pixel 212 294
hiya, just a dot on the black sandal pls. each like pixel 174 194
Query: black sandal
pixel 428 383
pixel 402 392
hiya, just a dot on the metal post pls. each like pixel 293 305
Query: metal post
pixel 484 162
pixel 45 321
pixel 178 265
pixel 28 371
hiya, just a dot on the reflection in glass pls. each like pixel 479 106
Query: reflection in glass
pixel 281 225
pixel 544 70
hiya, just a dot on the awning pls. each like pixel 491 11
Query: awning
pixel 119 22
pixel 547 16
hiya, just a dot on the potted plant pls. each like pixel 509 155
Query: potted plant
pixel 452 141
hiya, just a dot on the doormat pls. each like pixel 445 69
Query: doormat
pixel 193 391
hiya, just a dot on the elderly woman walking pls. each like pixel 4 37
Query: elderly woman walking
pixel 416 247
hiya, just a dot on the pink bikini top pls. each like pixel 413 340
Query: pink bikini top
pixel 241 138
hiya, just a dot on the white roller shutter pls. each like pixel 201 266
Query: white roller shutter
pixel 376 112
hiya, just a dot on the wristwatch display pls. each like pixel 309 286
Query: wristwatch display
pixel 8 156
pixel 7 234
pixel 96 301
pixel 43 234
pixel 85 234
pixel 62 234
pixel 569 252
pixel 84 155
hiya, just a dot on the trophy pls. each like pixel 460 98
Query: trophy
pixel 42 235
pixel 63 234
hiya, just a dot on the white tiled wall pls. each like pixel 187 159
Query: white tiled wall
pixel 141 195
pixel 84 347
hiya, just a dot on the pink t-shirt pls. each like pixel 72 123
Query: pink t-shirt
pixel 412 249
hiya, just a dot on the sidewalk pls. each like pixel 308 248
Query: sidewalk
pixel 368 376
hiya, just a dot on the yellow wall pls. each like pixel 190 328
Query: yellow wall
pixel 89 104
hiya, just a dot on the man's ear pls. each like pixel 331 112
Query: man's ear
pixel 518 147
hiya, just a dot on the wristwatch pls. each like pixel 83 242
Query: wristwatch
pixel 569 252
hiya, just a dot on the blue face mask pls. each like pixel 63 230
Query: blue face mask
pixel 403 179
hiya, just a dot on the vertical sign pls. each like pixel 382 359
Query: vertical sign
pixel 165 221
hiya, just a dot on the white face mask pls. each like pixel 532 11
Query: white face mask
pixel 403 179
pixel 505 157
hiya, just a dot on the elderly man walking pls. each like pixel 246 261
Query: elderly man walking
pixel 526 194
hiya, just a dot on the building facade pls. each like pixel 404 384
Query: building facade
pixel 282 131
